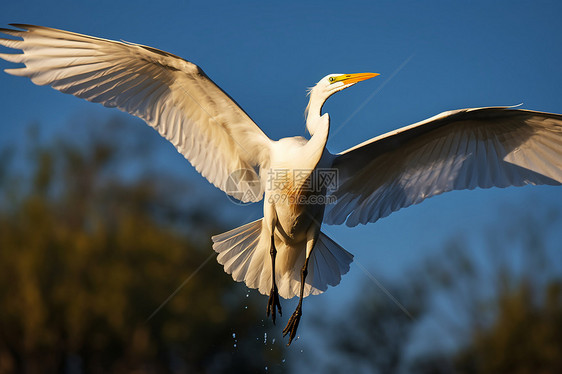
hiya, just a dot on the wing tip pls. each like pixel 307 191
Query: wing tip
pixel 18 72
pixel 12 57
pixel 12 32
pixel 22 26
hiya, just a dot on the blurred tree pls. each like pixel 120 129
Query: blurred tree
pixel 504 300
pixel 373 335
pixel 498 307
pixel 89 249
pixel 525 338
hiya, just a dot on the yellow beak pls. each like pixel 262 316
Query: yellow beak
pixel 353 78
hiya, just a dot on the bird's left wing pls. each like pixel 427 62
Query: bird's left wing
pixel 461 149
pixel 172 95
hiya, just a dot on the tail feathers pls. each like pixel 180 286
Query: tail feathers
pixel 245 255
pixel 328 262
pixel 236 248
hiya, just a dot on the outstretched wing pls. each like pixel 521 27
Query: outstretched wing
pixel 456 150
pixel 172 95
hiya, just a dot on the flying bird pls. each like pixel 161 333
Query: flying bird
pixel 285 253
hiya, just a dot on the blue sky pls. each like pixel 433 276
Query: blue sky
pixel 432 56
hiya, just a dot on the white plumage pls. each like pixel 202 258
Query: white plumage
pixel 285 253
pixel 171 94
pixel 246 258
pixel 455 150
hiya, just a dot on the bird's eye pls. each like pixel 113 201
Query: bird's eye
pixel 332 79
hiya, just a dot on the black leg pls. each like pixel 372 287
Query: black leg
pixel 293 323
pixel 273 301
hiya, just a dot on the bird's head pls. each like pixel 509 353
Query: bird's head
pixel 333 83
pixel 328 86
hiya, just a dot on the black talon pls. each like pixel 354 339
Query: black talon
pixel 293 324
pixel 273 304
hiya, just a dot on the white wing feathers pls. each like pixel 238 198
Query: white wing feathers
pixel 171 94
pixel 462 149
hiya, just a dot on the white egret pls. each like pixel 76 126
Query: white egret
pixel 285 253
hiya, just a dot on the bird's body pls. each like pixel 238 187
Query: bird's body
pixel 293 160
pixel 303 185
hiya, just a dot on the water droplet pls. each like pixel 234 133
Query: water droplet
pixel 266 368
pixel 234 335
pixel 234 345
pixel 273 341
pixel 265 338
pixel 246 307
pixel 283 360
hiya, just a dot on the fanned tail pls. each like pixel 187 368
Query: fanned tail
pixel 328 262
pixel 237 249
pixel 245 255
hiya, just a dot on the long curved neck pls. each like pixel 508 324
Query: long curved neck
pixel 318 126
pixel 314 112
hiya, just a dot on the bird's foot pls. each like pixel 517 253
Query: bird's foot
pixel 293 324
pixel 273 303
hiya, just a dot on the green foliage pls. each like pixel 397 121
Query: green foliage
pixel 525 338
pixel 372 334
pixel 498 308
pixel 86 256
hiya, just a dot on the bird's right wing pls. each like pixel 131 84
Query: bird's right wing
pixel 172 95
pixel 456 150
